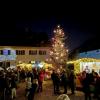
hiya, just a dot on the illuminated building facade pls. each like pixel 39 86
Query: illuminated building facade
pixel 13 55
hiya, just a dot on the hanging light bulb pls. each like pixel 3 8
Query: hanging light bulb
pixel 54 31
pixel 56 57
pixel 60 31
pixel 52 38
pixel 53 45
pixel 51 52
pixel 58 26
pixel 62 45
pixel 58 70
pixel 47 59
pixel 67 50
pixel 57 53
pixel 63 33
pixel 62 55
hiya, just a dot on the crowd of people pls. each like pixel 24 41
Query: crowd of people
pixel 34 82
pixel 63 79
pixel 90 84
pixel 9 80
pixel 8 84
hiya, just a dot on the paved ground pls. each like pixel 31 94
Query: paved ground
pixel 47 93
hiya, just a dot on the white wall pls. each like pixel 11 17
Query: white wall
pixel 25 58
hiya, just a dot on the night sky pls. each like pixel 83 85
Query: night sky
pixel 79 23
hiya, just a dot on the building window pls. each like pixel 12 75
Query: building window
pixel 20 52
pixel 1 52
pixel 16 52
pixel 23 52
pixel 9 52
pixel 32 52
pixel 42 52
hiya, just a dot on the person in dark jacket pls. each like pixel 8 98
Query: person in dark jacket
pixel 72 81
pixel 13 87
pixel 97 86
pixel 33 89
pixel 64 79
pixel 57 83
pixel 2 87
pixel 86 87
pixel 53 77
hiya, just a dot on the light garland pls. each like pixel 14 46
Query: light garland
pixel 58 52
pixel 76 63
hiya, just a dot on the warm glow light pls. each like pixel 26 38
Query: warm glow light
pixel 51 52
pixel 62 54
pixel 56 57
pixel 58 70
pixel 77 63
pixel 61 59
pixel 47 59
pixel 60 31
pixel 54 31
pixel 58 54
pixel 58 26
pixel 53 45
pixel 62 45
pixel 52 38
pixel 50 59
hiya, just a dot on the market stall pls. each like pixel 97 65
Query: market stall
pixel 86 64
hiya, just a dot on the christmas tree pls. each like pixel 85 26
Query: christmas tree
pixel 58 52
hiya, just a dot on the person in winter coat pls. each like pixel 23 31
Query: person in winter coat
pixel 53 77
pixel 33 89
pixel 97 86
pixel 86 87
pixel 28 85
pixel 64 80
pixel 40 81
pixel 72 81
pixel 13 87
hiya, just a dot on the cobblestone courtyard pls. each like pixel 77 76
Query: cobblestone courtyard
pixel 47 93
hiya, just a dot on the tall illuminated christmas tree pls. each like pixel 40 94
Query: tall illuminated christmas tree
pixel 59 52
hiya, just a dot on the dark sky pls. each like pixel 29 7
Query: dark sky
pixel 76 32
pixel 78 21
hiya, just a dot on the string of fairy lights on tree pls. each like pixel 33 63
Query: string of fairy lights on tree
pixel 58 52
